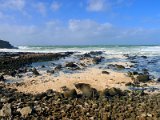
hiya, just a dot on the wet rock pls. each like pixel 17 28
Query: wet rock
pixel 2 78
pixel 95 53
pixel 6 110
pixel 105 72
pixel 158 80
pixel 97 60
pixel 25 111
pixel 145 57
pixel 43 66
pixel 143 78
pixel 58 67
pixel 51 71
pixel 119 67
pixel 72 65
pixel 35 72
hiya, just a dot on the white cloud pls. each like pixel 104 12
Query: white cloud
pixel 13 4
pixel 41 8
pixel 55 6
pixel 97 5
pixel 76 32
pixel 102 5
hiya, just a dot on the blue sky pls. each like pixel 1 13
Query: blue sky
pixel 80 22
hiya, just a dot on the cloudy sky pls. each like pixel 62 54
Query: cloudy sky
pixel 80 22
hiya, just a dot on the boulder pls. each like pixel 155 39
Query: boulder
pixel 143 78
pixel 35 72
pixel 25 111
pixel 72 65
pixel 113 92
pixel 158 80
pixel 87 90
pixel 2 78
pixel 6 110
pixel 70 93
pixel 50 71
pixel 105 72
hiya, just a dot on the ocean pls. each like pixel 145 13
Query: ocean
pixel 109 49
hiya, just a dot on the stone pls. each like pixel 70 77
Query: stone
pixel 143 78
pixel 35 72
pixel 158 80
pixel 72 65
pixel 2 78
pixel 70 93
pixel 105 72
pixel 6 110
pixel 25 111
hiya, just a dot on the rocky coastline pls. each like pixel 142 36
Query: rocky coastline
pixel 83 102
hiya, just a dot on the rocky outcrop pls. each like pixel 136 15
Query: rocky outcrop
pixel 5 44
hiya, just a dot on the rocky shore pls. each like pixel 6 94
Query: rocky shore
pixel 76 86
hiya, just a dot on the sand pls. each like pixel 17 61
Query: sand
pixel 92 76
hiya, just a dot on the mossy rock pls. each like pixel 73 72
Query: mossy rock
pixel 143 78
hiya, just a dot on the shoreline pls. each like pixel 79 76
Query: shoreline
pixel 90 78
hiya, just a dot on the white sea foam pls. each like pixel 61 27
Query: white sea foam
pixel 141 50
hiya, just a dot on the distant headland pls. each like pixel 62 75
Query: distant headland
pixel 5 44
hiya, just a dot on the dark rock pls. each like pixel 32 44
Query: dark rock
pixel 72 65
pixel 143 78
pixel 158 80
pixel 87 91
pixel 50 71
pixel 5 44
pixel 70 93
pixel 95 53
pixel 105 72
pixel 35 72
pixel 58 67
pixel 119 67
pixel 2 78
pixel 113 92
pixel 97 60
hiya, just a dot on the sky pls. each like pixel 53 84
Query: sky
pixel 80 22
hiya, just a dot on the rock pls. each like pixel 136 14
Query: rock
pixel 58 67
pixel 25 111
pixel 158 80
pixel 113 92
pixel 2 78
pixel 105 72
pixel 5 44
pixel 70 93
pixel 50 71
pixel 143 78
pixel 87 91
pixel 35 72
pixel 82 86
pixel 72 65
pixel 6 110
pixel 95 53
pixel 97 60
pixel 119 67
pixel 129 84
